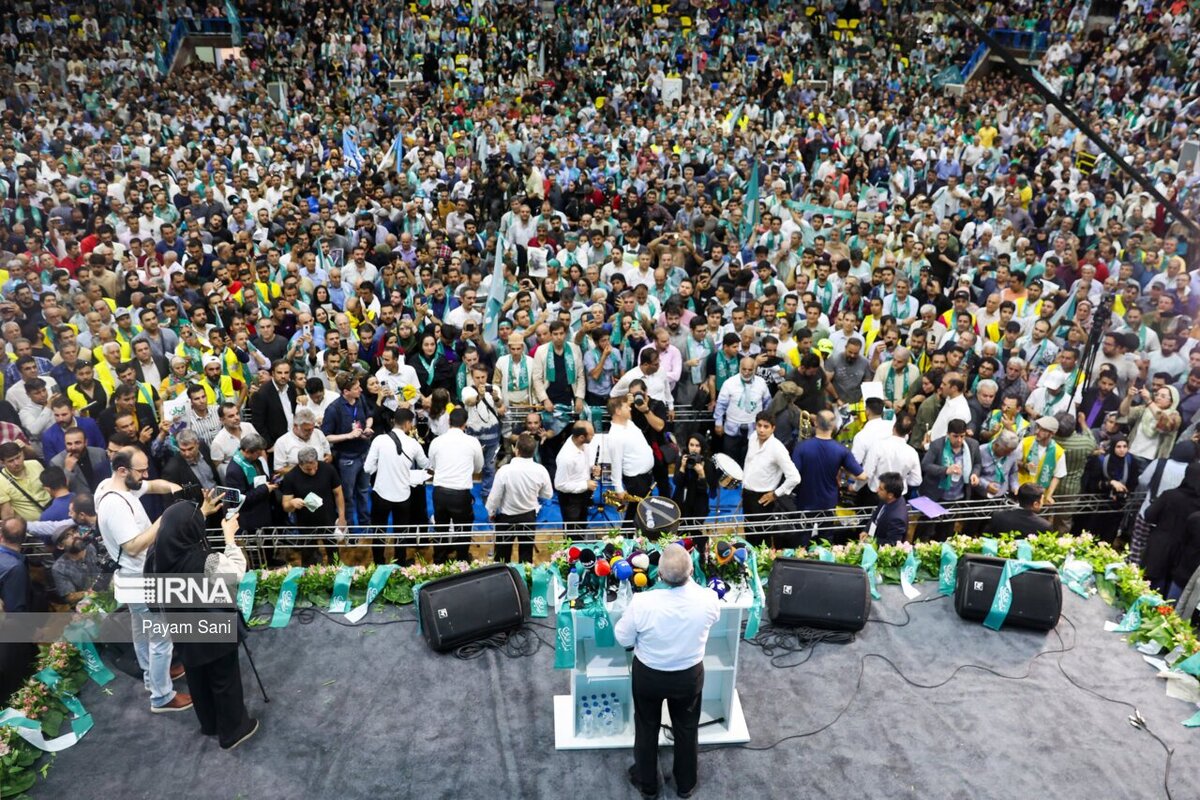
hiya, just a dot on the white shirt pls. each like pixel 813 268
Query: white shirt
pixel 875 431
pixel 455 457
pixel 286 402
pixel 519 488
pixel 954 408
pixel 630 453
pixel 892 454
pixel 668 629
pixel 288 446
pixel 738 402
pixel 150 373
pixel 392 468
pixel 483 413
pixel 657 385
pixel 572 469
pixel 121 517
pixel 225 444
pixel 404 376
pixel 766 465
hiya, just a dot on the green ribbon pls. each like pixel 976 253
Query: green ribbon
pixel 540 598
pixel 1190 665
pixel 340 602
pixel 287 598
pixel 991 547
pixel 948 570
pixel 96 670
pixel 1075 573
pixel 1133 617
pixel 31 730
pixel 1024 551
pixel 869 559
pixel 245 593
pixel 1002 600
pixel 908 576
pixel 1193 721
pixel 602 623
pixel 564 639
pixel 379 579
pixel 823 554
pixel 697 569
pixel 754 619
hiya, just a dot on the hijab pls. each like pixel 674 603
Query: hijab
pixel 180 546
pixel 1148 424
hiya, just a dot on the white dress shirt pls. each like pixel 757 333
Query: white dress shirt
pixel 657 385
pixel 572 468
pixel 875 431
pixel 892 454
pixel 286 402
pixel 404 376
pixel 455 457
pixel 225 444
pixel 393 468
pixel 767 464
pixel 630 453
pixel 739 402
pixel 288 447
pixel 668 629
pixel 519 488
pixel 954 408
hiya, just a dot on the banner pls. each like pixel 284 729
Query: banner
pixel 754 618
pixel 908 576
pixel 948 571
pixel 564 639
pixel 495 298
pixel 96 669
pixel 378 580
pixel 991 547
pixel 287 598
pixel 869 559
pixel 541 596
pixel 245 593
pixel 339 603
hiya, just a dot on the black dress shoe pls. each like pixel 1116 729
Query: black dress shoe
pixel 688 793
pixel 637 785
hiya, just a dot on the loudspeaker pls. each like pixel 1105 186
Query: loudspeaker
pixel 1036 593
pixel 462 608
pixel 818 594
pixel 657 516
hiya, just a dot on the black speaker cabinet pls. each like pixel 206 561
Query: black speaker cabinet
pixel 818 594
pixel 1036 593
pixel 462 608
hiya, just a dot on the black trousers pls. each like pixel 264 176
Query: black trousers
pixel 681 690
pixel 216 690
pixel 508 528
pixel 758 530
pixel 455 507
pixel 639 485
pixel 574 506
pixel 386 514
pixel 734 445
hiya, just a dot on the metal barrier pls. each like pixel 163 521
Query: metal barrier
pixel 261 545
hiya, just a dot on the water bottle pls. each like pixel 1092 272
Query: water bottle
pixel 587 726
pixel 608 720
pixel 572 587
pixel 618 712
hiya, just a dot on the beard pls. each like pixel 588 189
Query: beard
pixel 133 485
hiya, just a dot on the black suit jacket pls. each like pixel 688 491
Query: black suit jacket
pixel 164 369
pixel 266 412
pixel 891 521
pixel 176 470
pixel 932 470
pixel 1021 520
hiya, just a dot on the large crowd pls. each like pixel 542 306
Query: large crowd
pixel 386 245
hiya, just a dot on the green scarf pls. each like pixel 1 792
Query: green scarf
pixel 247 468
pixel 697 372
pixel 518 381
pixel 460 378
pixel 430 367
pixel 726 367
pixel 890 384
pixel 567 357
pixel 948 461
pixel 1049 457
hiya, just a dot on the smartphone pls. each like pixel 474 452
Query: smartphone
pixel 231 497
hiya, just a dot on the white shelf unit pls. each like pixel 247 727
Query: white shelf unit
pixel 604 670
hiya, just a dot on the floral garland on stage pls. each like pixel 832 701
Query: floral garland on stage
pixel 1120 584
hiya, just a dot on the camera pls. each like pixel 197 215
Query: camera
pixel 639 399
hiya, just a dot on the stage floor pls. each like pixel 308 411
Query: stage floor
pixel 370 712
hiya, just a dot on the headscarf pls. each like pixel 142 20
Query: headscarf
pixel 1148 424
pixel 180 546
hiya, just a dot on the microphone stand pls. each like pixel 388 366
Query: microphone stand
pixel 250 658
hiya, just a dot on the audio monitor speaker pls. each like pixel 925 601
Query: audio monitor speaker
pixel 474 605
pixel 818 594
pixel 1036 593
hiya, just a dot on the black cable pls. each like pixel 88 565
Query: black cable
pixel 904 608
pixel 778 642
pixel 307 615
pixel 517 643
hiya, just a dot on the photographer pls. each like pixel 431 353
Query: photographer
pixel 696 482
pixel 650 417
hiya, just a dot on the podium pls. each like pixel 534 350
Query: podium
pixel 604 671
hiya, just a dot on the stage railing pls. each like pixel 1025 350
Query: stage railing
pixel 262 543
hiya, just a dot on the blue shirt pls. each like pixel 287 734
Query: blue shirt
pixel 59 509
pixel 818 461
pixel 340 418
pixel 14 581
pixel 54 437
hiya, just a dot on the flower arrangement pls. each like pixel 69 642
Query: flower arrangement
pixel 18 758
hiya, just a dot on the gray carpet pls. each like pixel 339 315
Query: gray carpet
pixel 370 713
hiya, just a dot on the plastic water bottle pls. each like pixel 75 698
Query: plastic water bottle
pixel 608 720
pixel 615 702
pixel 572 586
pixel 587 725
